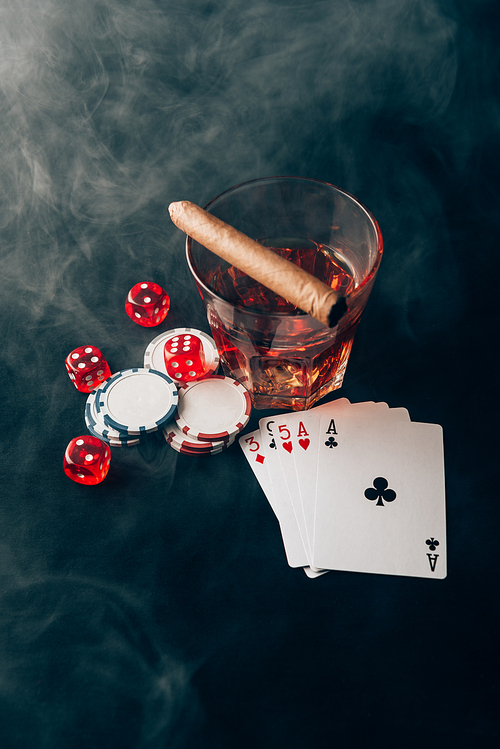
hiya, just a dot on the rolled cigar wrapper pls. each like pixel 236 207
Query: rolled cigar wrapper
pixel 260 263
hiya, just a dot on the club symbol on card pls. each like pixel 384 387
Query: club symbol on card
pixel 432 543
pixel 331 442
pixel 269 428
pixel 380 492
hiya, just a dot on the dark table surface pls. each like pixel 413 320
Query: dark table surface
pixel 157 609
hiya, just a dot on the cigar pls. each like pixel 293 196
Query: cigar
pixel 287 280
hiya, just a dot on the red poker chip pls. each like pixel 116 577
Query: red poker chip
pixel 177 440
pixel 185 451
pixel 172 433
pixel 215 408
pixel 198 446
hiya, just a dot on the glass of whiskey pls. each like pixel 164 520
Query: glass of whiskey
pixel 283 356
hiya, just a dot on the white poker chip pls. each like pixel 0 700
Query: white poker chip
pixel 189 451
pixel 189 446
pixel 98 429
pixel 114 442
pixel 154 357
pixel 215 408
pixel 184 451
pixel 175 437
pixel 136 400
pixel 122 443
pixel 96 425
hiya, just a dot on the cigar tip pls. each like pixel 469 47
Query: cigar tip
pixel 176 208
pixel 173 209
pixel 337 311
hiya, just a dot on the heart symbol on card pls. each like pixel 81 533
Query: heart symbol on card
pixel 305 443
pixel 288 446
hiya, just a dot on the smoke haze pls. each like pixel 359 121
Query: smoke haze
pixel 110 110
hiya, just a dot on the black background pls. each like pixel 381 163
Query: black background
pixel 157 609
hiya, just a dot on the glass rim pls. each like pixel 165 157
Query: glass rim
pixel 284 315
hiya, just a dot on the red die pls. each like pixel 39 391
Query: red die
pixel 87 460
pixel 87 367
pixel 184 358
pixel 147 304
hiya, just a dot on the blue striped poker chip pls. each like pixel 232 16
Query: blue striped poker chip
pixel 93 420
pixel 113 442
pixel 137 400
pixel 99 429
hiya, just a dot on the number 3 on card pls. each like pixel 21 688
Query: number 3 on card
pixel 254 447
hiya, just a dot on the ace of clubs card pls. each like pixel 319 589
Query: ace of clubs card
pixel 380 497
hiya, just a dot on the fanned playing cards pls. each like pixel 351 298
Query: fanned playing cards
pixel 354 486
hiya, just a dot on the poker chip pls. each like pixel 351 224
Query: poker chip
pixel 187 451
pixel 115 442
pixel 177 439
pixel 154 358
pixel 136 401
pixel 215 408
pixel 99 429
pixel 186 446
pixel 184 451
pixel 94 421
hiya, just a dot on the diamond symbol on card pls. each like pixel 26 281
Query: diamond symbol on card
pixel 259 458
pixel 380 492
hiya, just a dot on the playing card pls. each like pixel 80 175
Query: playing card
pixel 292 436
pixel 250 444
pixel 297 441
pixel 257 453
pixel 380 497
pixel 278 446
pixel 293 538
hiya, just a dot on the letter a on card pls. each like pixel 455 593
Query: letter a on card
pixel 331 427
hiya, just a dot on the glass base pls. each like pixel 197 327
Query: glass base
pixel 262 400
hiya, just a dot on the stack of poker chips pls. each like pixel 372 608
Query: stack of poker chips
pixel 130 404
pixel 197 418
pixel 210 414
